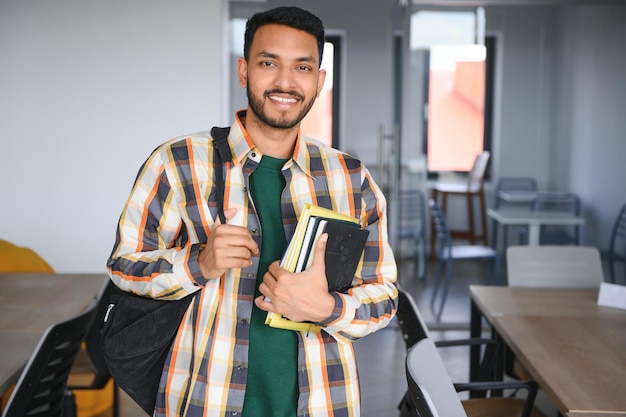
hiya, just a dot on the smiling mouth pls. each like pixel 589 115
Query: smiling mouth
pixel 285 100
pixel 284 97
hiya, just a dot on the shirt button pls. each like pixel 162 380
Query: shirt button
pixel 243 321
pixel 249 275
pixel 245 189
pixel 254 230
pixel 239 368
pixel 234 412
pixel 253 154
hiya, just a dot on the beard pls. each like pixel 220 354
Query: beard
pixel 257 103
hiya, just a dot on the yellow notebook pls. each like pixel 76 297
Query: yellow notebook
pixel 313 222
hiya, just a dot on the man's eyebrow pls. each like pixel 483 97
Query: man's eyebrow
pixel 265 54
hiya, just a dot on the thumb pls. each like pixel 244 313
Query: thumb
pixel 229 213
pixel 320 249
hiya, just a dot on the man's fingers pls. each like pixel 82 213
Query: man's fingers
pixel 263 303
pixel 320 248
pixel 234 236
pixel 228 214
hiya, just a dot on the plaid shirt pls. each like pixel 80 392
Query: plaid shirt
pixel 166 221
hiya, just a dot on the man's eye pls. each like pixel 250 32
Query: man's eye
pixel 304 68
pixel 267 64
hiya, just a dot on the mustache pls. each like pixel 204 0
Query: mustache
pixel 291 93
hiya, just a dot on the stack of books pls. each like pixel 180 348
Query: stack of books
pixel 344 249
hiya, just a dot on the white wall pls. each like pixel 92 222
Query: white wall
pixel 87 90
pixel 594 66
pixel 522 141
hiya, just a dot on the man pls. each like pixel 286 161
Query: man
pixel 225 360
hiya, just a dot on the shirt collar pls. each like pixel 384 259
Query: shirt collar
pixel 242 145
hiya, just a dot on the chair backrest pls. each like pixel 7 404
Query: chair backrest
pixel 555 201
pixel 442 229
pixel 430 386
pixel 514 184
pixel 554 266
pixel 412 325
pixel 618 234
pixel 40 390
pixel 476 176
pixel 412 212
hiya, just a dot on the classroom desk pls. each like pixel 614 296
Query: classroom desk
pixel 534 219
pixel 29 304
pixel 574 348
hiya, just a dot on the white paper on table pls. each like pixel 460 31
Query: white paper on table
pixel 612 295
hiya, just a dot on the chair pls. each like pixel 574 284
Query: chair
pixel 15 258
pixel 550 266
pixel 513 192
pixel 413 226
pixel 87 365
pixel 433 393
pixel 472 188
pixel 554 266
pixel 430 387
pixel 559 202
pixel 525 186
pixel 90 379
pixel 616 252
pixel 414 330
pixel 41 389
pixel 448 253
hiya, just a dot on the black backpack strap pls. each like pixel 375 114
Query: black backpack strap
pixel 223 156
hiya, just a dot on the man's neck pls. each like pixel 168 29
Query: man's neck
pixel 277 143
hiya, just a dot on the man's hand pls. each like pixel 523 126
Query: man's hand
pixel 299 297
pixel 227 247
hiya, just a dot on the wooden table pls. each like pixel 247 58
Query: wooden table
pixel 574 348
pixel 29 304
pixel 534 219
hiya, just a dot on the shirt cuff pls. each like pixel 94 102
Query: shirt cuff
pixel 337 311
pixel 193 266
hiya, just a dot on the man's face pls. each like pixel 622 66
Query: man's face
pixel 282 77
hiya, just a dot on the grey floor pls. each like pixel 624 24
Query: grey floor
pixel 381 355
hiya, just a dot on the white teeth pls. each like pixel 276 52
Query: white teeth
pixel 283 100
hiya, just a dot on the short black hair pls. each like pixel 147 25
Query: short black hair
pixel 293 17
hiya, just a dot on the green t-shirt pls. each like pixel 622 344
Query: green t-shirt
pixel 272 385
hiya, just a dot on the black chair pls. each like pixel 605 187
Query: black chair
pixel 616 252
pixel 413 213
pixel 447 253
pixel 433 394
pixel 41 390
pixel 90 363
pixel 414 330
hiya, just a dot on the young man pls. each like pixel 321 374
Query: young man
pixel 225 361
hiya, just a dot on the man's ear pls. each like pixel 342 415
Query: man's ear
pixel 242 72
pixel 321 77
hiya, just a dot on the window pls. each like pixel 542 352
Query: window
pixel 322 122
pixel 458 68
